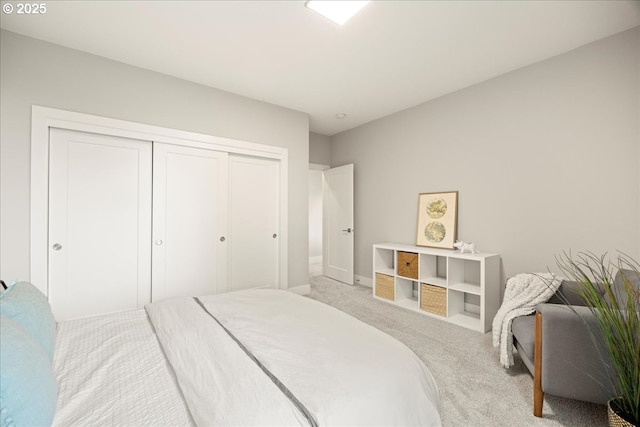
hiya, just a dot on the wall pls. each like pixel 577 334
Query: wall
pixel 319 149
pixel 545 159
pixel 40 73
pixel 319 155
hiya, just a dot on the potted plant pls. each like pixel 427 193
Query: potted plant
pixel 610 289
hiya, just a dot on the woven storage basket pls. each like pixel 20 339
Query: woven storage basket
pixel 385 287
pixel 616 420
pixel 408 265
pixel 433 299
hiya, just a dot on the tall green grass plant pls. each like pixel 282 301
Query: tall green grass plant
pixel 616 309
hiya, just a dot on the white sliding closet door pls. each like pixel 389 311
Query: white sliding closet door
pixel 189 221
pixel 254 200
pixel 99 223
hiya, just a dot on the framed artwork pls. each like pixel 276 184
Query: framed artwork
pixel 437 219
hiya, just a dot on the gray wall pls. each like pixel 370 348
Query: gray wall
pixel 319 154
pixel 36 72
pixel 319 149
pixel 545 158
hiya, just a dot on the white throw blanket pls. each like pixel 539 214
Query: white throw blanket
pixel 521 296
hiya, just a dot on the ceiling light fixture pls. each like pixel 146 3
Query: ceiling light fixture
pixel 337 11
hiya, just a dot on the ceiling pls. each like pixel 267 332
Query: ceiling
pixel 391 56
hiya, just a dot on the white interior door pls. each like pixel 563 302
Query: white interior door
pixel 189 221
pixel 337 202
pixel 254 229
pixel 99 223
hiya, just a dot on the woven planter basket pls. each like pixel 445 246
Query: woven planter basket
pixel 616 420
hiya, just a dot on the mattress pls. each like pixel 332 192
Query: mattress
pixel 111 370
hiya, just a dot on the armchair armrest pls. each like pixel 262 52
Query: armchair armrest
pixel 572 365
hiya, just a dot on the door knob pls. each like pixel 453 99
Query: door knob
pixel 348 230
pixel 275 235
pixel 222 239
pixel 57 246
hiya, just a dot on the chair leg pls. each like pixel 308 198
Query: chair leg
pixel 538 394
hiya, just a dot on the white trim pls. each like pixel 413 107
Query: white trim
pixel 315 259
pixel 363 281
pixel 301 290
pixel 284 220
pixel 44 118
pixel 52 117
pixel 317 167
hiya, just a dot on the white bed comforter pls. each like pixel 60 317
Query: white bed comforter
pixel 269 357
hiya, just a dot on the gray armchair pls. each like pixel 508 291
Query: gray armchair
pixel 557 347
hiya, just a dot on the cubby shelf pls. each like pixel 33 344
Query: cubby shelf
pixel 463 289
pixel 469 288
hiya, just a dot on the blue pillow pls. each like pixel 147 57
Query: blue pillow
pixel 25 304
pixel 28 388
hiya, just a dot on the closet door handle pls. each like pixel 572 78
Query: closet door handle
pixel 222 239
pixel 57 247
pixel 275 235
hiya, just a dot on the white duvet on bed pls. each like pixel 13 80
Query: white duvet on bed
pixel 111 372
pixel 288 360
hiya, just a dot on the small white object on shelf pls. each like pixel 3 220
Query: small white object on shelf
pixel 465 247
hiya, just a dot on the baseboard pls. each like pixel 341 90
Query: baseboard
pixel 363 281
pixel 301 290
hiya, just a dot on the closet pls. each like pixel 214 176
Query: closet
pixel 132 221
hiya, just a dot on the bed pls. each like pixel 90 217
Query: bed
pixel 251 357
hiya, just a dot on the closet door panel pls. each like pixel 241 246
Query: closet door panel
pixel 254 202
pixel 99 223
pixel 189 221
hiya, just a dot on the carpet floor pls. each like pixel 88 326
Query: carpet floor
pixel 475 390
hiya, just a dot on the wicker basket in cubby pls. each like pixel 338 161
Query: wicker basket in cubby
pixel 433 299
pixel 385 286
pixel 408 265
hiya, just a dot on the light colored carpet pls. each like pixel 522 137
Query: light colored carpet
pixel 474 389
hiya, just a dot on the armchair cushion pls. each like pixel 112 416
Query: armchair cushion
pixel 523 329
pixel 568 292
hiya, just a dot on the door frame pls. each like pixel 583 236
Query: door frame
pixel 320 168
pixel 44 118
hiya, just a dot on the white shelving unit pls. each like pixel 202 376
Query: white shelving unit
pixel 465 287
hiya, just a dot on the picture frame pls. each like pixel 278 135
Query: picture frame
pixel 437 219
